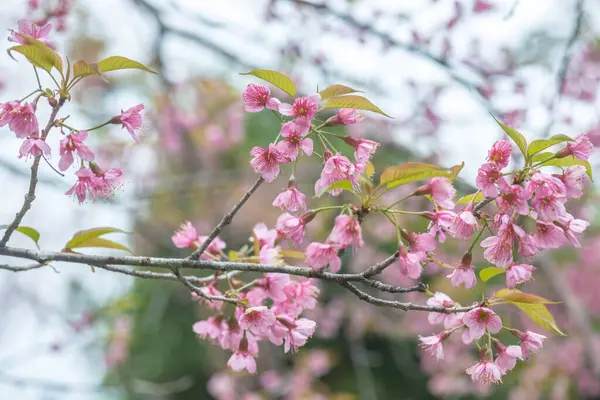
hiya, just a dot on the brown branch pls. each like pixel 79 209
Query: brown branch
pixel 21 269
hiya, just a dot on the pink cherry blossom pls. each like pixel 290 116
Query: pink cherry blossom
pixel 35 147
pixel 270 255
pixel 31 29
pixel 507 356
pixel 210 328
pixel 572 228
pixel 482 6
pixel 423 242
pixel 266 162
pixel 71 144
pixel 130 119
pixel 294 134
pixel 214 249
pixel 84 186
pixel 441 223
pixel 582 148
pixel 242 360
pixel 320 255
pixel 488 176
pixel 485 372
pixel 433 345
pixel 465 223
pixel 345 116
pixel 210 290
pixel 439 299
pixel 257 320
pixel 291 227
pixel 186 236
pixel 6 112
pixel 574 178
pixel 513 198
pixel 106 181
pixel 546 183
pixel 291 200
pixel 517 274
pixel 410 263
pixel 296 333
pixel 336 168
pixel 20 118
pixel 549 204
pixel 272 284
pixel 231 335
pixel 498 250
pixel 530 342
pixel 265 236
pixel 463 274
pixel 346 231
pixel 499 154
pixel 548 235
pixel 305 107
pixel 363 148
pixel 527 245
pixel 480 318
pixel 257 97
pixel 441 190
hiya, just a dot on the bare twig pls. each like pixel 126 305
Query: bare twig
pixel 21 269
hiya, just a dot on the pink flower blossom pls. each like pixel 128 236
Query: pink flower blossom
pixel 294 133
pixel 514 198
pixel 423 242
pixel 209 290
pixel 517 274
pixel 582 148
pixel 34 146
pixel 482 6
pixel 214 249
pixel 270 255
pixel 20 118
pixel 488 176
pixel 363 148
pixel 441 190
pixel 320 255
pixel 73 143
pixel 439 299
pixel 485 372
pixel 345 116
pixel 464 224
pixel 480 318
pixel 242 359
pixel 273 284
pixel 336 168
pixel 463 274
pixel 266 162
pixel 305 107
pixel 186 236
pixel 257 320
pixel 210 328
pixel 442 221
pixel 572 228
pixel 31 29
pixel 530 342
pixel 574 178
pixel 548 236
pixel 433 345
pixel 6 112
pixel 527 245
pixel 265 236
pixel 499 154
pixel 507 356
pixel 549 204
pixel 257 97
pixel 106 181
pixel 410 263
pixel 294 334
pixel 130 119
pixel 498 250
pixel 291 227
pixel 84 186
pixel 346 231
pixel 231 335
pixel 290 199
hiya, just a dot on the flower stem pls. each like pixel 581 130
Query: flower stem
pixel 478 236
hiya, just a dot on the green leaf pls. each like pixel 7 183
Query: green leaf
pixel 415 171
pixel 473 197
pixel 516 136
pixel 102 243
pixel 295 254
pixel 488 273
pixel 27 231
pixel 115 63
pixel 275 78
pixel 336 90
pixel 538 145
pixel 516 296
pixel 85 235
pixel 352 101
pixel 81 68
pixel 36 56
pixel 344 185
pixel 546 160
pixel 540 315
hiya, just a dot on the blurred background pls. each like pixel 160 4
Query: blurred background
pixel 439 67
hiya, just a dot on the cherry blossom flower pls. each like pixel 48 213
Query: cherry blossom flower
pixel 273 284
pixel 574 178
pixel 266 162
pixel 290 199
pixel 463 274
pixel 485 372
pixel 214 249
pixel 186 236
pixel 265 236
pixel 294 133
pixel 210 328
pixel 465 223
pixel 513 198
pixel 517 274
pixel 499 154
pixel 507 356
pixel 84 186
pixel 294 334
pixel 270 255
pixel 442 221
pixel 106 181
pixel 410 263
pixel 549 204
pixel 257 320
pixel 130 119
pixel 488 176
pixel 439 299
pixel 433 345
pixel 257 97
pixel 291 227
pixel 231 334
pixel 345 116
pixel 34 146
pixel 480 318
pixel 530 342
pixel 336 168
pixel 305 107
pixel 242 359
pixel 210 290
pixel 481 6
pixel 346 231
pixel 20 118
pixel 71 144
pixel 441 190
pixel 363 148
pixel 6 112
pixel 548 235
pixel 498 250
pixel 320 255
pixel 423 242
pixel 31 29
pixel 582 148
pixel 572 228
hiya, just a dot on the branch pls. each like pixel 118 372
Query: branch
pixel 30 196
pixel 21 269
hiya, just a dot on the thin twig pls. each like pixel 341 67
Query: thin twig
pixel 21 269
